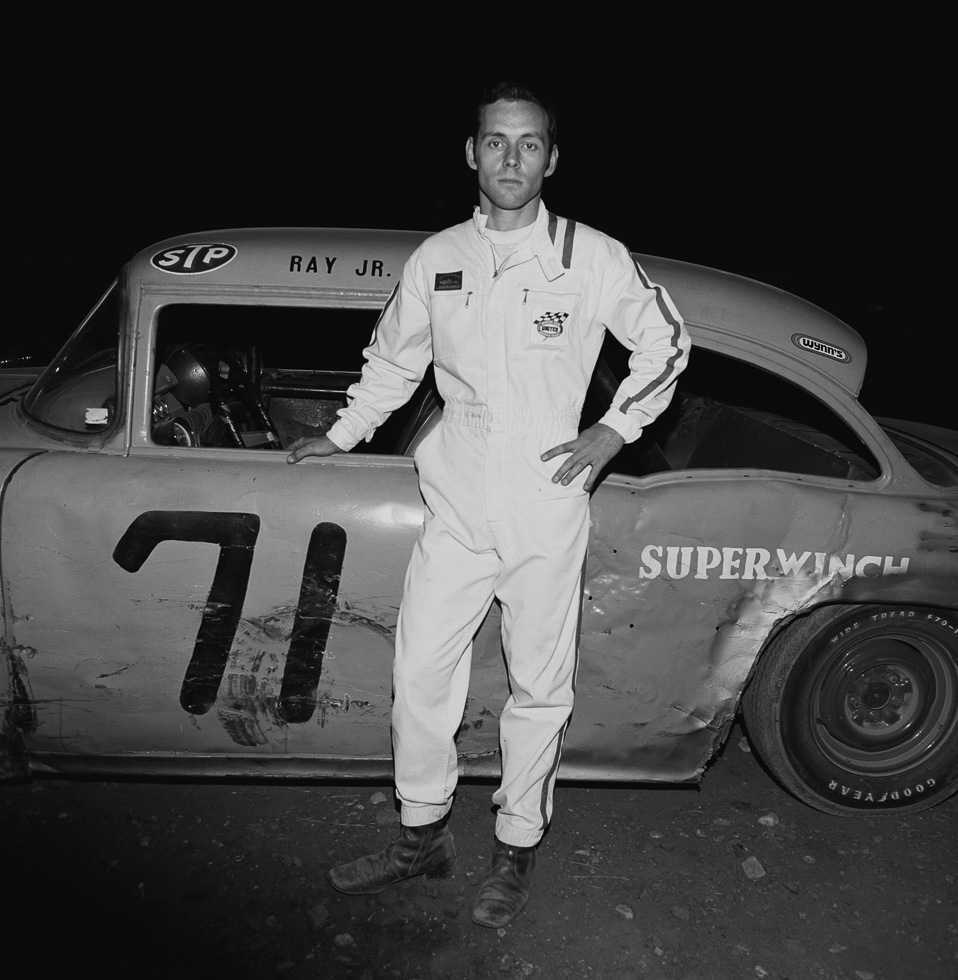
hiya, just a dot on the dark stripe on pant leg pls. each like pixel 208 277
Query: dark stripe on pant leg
pixel 550 776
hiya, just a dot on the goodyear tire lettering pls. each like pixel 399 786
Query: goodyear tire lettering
pixel 856 708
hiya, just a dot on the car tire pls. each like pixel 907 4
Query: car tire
pixel 854 709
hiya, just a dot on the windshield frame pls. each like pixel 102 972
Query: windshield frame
pixel 61 368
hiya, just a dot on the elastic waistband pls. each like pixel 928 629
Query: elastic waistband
pixel 475 417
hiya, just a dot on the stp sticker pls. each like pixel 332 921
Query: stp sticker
pixel 804 342
pixel 194 258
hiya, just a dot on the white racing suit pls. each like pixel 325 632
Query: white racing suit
pixel 514 350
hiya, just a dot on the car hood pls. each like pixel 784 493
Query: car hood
pixel 17 377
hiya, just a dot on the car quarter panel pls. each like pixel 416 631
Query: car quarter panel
pixel 688 576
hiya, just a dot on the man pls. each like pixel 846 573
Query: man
pixel 511 307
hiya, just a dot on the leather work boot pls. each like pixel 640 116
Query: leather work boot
pixel 428 850
pixel 505 891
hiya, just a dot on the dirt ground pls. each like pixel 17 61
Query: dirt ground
pixel 733 879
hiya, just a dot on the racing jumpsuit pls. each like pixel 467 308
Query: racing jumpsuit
pixel 514 346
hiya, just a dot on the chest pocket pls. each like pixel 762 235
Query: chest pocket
pixel 454 318
pixel 548 320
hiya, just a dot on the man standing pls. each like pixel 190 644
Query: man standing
pixel 511 307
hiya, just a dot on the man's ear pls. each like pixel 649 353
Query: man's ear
pixel 553 160
pixel 471 153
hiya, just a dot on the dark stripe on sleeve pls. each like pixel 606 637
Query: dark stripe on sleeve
pixel 676 333
pixel 567 244
pixel 553 223
pixel 652 385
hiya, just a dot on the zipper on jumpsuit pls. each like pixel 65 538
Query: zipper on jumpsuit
pixel 501 432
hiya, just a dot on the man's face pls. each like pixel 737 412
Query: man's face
pixel 512 157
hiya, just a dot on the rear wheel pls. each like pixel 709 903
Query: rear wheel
pixel 855 709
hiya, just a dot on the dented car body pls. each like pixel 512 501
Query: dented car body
pixel 178 600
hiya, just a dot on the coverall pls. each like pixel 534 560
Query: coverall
pixel 514 348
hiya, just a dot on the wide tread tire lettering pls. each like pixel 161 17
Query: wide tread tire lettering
pixel 854 709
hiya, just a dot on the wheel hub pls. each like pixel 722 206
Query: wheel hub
pixel 879 698
pixel 881 702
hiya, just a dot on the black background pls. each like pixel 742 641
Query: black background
pixel 803 148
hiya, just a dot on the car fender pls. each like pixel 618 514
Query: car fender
pixel 15 711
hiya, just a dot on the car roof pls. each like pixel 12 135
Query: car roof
pixel 723 304
pixel 338 259
pixel 731 309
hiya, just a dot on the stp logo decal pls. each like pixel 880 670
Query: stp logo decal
pixel 194 258
pixel 550 324
pixel 803 342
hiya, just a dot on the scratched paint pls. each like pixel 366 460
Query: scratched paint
pixel 249 706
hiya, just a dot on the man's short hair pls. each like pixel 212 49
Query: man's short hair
pixel 513 92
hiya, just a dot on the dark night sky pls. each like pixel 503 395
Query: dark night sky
pixel 808 153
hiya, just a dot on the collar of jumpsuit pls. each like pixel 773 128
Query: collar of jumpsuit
pixel 539 241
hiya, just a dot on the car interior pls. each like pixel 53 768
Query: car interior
pixel 261 377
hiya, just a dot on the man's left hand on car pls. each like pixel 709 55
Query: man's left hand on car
pixel 595 447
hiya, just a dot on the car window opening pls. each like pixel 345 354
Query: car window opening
pixel 727 414
pixel 261 377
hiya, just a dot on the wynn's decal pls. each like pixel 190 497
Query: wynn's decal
pixel 194 258
pixel 704 562
pixel 815 346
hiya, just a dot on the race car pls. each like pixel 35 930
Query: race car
pixel 178 600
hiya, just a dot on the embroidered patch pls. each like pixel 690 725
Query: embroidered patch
pixel 550 324
pixel 448 280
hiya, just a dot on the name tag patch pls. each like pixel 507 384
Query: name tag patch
pixel 447 281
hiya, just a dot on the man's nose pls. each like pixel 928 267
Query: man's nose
pixel 512 157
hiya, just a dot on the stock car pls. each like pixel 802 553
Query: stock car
pixel 178 600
